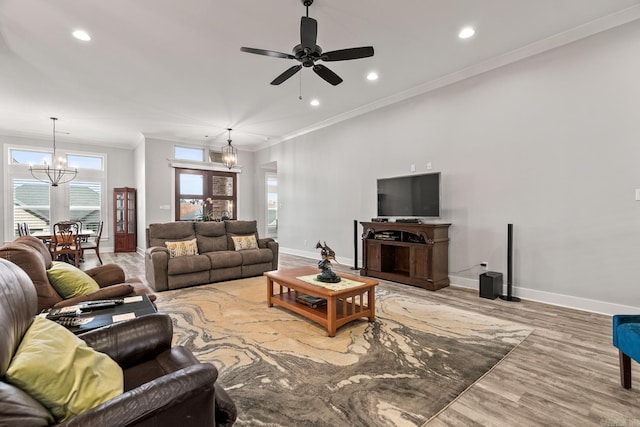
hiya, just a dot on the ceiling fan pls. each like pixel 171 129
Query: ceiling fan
pixel 308 52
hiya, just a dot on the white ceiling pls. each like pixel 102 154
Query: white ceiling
pixel 173 69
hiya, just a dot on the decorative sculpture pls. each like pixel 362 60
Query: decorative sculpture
pixel 327 254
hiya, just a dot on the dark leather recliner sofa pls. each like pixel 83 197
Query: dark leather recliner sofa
pixel 32 255
pixel 163 385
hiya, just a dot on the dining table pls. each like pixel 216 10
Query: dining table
pixel 47 236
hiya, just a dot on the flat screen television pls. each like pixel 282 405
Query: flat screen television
pixel 411 195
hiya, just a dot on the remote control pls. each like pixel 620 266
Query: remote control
pixel 98 304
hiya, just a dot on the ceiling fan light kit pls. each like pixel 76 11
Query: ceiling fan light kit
pixel 308 53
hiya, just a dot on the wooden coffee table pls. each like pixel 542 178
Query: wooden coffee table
pixel 342 305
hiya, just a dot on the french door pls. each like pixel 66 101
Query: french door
pixel 205 195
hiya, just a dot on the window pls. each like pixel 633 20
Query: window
pixel 84 162
pixel 85 203
pixel 185 153
pixel 205 195
pixel 272 204
pixel 31 204
pixel 40 205
pixel 29 157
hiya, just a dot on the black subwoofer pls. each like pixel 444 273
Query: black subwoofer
pixel 490 285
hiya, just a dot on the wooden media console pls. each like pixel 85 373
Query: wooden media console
pixel 411 253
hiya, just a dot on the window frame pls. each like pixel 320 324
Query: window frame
pixel 207 192
pixel 59 197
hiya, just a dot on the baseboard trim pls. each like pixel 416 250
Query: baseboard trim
pixel 314 255
pixel 568 301
pixel 560 300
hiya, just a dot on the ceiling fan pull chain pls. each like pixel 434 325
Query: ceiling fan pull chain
pixel 300 92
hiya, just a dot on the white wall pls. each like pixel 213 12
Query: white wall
pixel 548 144
pixel 141 186
pixel 160 184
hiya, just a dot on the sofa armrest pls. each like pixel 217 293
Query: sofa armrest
pixel 156 265
pixel 269 243
pixel 184 397
pixel 133 341
pixel 107 275
pixel 116 291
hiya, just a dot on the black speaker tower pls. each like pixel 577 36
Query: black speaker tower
pixel 509 296
pixel 355 245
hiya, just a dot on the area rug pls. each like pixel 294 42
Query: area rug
pixel 282 370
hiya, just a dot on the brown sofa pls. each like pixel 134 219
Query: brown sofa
pixel 31 255
pixel 216 261
pixel 163 385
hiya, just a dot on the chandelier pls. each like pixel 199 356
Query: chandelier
pixel 229 153
pixel 54 174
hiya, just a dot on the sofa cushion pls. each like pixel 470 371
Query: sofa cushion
pixel 38 245
pixel 34 264
pixel 240 228
pixel 188 264
pixel 170 232
pixel 182 248
pixel 211 236
pixel 69 281
pixel 75 378
pixel 224 259
pixel 242 243
pixel 256 256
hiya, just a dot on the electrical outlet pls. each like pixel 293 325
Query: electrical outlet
pixel 484 265
pixel 305 242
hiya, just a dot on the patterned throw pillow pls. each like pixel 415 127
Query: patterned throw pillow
pixel 245 242
pixel 186 248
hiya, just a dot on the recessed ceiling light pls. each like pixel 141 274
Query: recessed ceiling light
pixel 466 32
pixel 81 35
pixel 315 102
pixel 372 76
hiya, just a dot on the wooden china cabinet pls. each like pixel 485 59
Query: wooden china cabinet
pixel 124 219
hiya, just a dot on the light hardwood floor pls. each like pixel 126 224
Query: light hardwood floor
pixel 564 374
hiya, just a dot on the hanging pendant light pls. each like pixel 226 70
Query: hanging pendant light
pixel 56 173
pixel 229 153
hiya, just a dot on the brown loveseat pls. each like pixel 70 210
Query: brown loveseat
pixel 216 260
pixel 31 255
pixel 163 385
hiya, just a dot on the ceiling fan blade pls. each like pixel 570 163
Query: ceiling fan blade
pixel 284 76
pixel 308 33
pixel 327 74
pixel 267 53
pixel 346 54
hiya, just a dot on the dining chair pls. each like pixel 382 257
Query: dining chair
pixel 23 229
pixel 93 245
pixel 65 242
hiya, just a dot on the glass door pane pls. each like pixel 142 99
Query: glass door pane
pixel 191 188
pixel 272 204
pixel 131 217
pixel 119 213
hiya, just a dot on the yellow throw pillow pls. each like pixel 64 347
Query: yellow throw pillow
pixel 245 242
pixel 60 371
pixel 69 281
pixel 185 248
